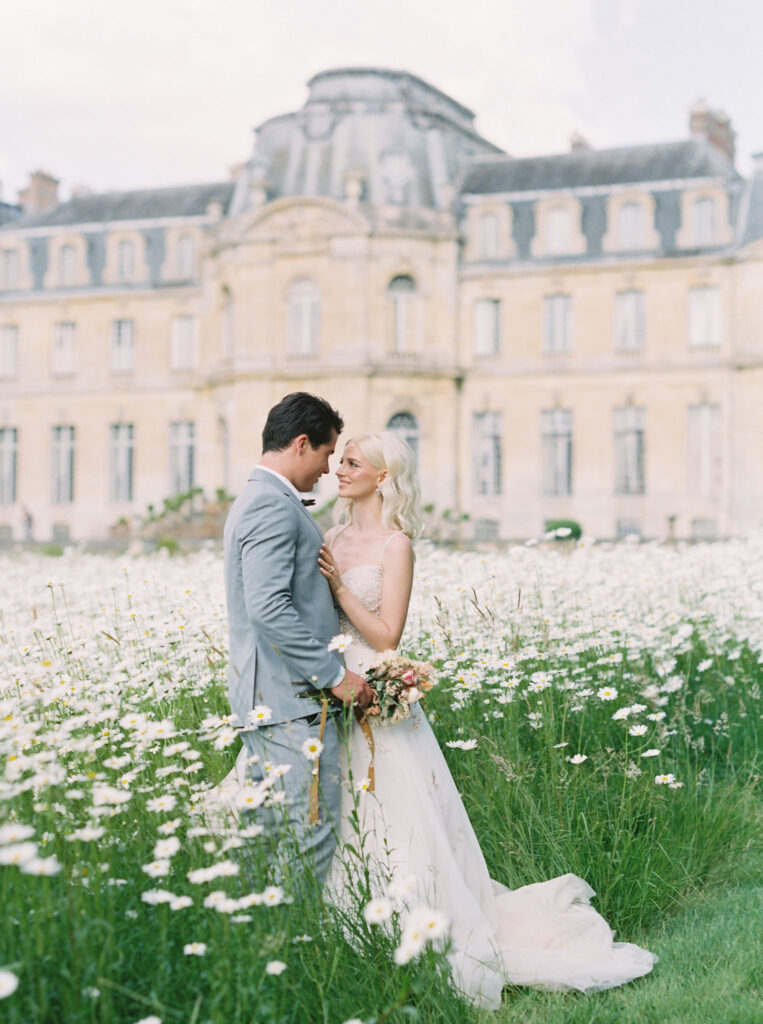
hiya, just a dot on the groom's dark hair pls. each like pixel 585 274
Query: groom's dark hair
pixel 300 413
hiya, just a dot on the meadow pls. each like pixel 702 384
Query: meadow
pixel 598 705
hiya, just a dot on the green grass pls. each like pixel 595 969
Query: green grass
pixel 675 869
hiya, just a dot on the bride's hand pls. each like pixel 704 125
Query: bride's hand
pixel 328 567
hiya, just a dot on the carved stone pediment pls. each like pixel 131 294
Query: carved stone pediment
pixel 290 222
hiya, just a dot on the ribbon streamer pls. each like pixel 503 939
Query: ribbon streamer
pixel 368 732
pixel 314 816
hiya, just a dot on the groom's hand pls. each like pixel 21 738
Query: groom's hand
pixel 353 689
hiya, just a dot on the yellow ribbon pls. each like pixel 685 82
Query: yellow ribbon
pixel 314 816
pixel 368 732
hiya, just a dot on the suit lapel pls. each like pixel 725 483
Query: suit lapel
pixel 263 476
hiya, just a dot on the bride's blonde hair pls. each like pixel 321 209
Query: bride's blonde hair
pixel 399 489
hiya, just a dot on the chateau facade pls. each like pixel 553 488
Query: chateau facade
pixel 577 336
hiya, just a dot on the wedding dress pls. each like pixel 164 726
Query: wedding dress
pixel 414 825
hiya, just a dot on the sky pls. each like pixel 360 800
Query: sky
pixel 116 94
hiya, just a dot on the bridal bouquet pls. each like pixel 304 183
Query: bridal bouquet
pixel 397 683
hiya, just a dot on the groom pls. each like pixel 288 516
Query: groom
pixel 281 618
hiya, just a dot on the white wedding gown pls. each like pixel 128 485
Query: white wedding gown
pixel 414 824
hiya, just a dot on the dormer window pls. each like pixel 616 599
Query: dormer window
pixel 488 236
pixel 186 251
pixel 703 221
pixel 630 226
pixel 126 261
pixel 67 266
pixel 558 230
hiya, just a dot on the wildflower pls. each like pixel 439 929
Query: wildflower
pixel 558 746
pixel 195 948
pixel 363 785
pixel 161 803
pixel 181 902
pixel 607 693
pixel 312 749
pixel 621 714
pixel 272 896
pixel 652 752
pixel 377 910
pixel 675 785
pixel 578 758
pixel 402 886
pixel 168 827
pixel 156 896
pixel 637 730
pixel 108 795
pixel 87 833
pixel 705 665
pixel 275 967
pixel 15 833
pixel 432 923
pixel 157 868
pixel 656 716
pixel 166 848
pixel 18 853
pixel 259 715
pixel 8 983
pixel 664 780
pixel 153 1019
pixel 340 642
pixel 42 866
pixel 462 744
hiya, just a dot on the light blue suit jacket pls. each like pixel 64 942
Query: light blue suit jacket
pixel 281 614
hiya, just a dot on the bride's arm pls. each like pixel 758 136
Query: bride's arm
pixel 382 633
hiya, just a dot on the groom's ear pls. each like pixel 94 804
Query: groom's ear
pixel 300 443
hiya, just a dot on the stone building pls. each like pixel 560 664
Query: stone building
pixel 572 336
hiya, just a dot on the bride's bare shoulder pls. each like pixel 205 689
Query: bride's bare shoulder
pixel 397 544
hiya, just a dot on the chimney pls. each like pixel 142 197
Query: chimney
pixel 578 142
pixel 40 194
pixel 714 126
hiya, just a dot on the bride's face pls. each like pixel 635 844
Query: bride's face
pixel 357 477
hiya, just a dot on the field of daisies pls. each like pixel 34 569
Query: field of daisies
pixel 598 705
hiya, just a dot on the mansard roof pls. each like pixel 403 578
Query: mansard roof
pixel 143 204
pixel 581 168
pixel 753 228
pixel 9 212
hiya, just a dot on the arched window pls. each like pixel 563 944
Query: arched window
pixel 186 251
pixel 558 230
pixel 303 318
pixel 402 297
pixel 703 221
pixel 405 426
pixel 66 265
pixel 630 226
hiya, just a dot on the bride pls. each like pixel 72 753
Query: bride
pixel 413 824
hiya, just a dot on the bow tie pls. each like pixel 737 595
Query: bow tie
pixel 307 501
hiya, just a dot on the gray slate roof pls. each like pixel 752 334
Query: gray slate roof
pixel 754 227
pixel 8 212
pixel 580 168
pixel 145 204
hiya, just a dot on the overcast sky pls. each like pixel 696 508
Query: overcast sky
pixel 136 93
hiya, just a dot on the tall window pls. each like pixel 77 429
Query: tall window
pixel 705 317
pixel 558 230
pixel 9 351
pixel 8 464
pixel 122 346
pixel 186 252
pixel 703 221
pixel 303 318
pixel 630 226
pixel 9 269
pixel 487 453
pixel 229 338
pixel 629 450
pixel 121 461
pixel 182 457
pixel 67 265
pixel 705 452
pixel 126 261
pixel 487 327
pixel 557 323
pixel 402 297
pixel 556 428
pixel 62 465
pixel 488 235
pixel 405 426
pixel 183 347
pixel 62 354
pixel 629 321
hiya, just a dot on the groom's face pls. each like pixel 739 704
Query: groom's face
pixel 314 463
